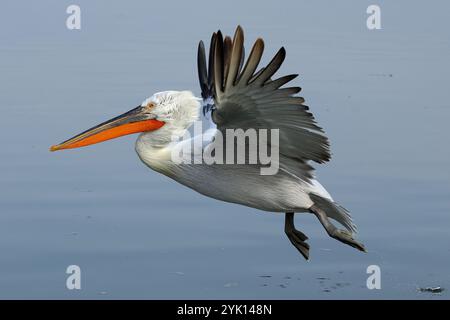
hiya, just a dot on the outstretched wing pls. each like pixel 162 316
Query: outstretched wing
pixel 241 98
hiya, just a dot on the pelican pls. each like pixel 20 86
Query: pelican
pixel 235 95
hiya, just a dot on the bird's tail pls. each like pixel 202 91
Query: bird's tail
pixel 334 211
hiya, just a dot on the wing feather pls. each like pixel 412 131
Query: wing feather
pixel 247 99
pixel 272 67
pixel 227 48
pixel 218 64
pixel 211 61
pixel 202 71
pixel 235 59
pixel 275 84
pixel 252 62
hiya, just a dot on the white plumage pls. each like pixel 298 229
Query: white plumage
pixel 236 95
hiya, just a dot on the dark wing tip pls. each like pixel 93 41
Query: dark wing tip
pixel 271 68
pixel 202 71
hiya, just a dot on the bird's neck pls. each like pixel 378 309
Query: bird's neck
pixel 155 148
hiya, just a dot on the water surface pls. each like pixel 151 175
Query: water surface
pixel 382 97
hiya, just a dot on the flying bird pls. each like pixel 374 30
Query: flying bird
pixel 236 94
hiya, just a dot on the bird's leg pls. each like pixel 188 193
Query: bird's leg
pixel 338 234
pixel 296 237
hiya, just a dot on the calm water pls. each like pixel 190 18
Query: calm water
pixel 382 97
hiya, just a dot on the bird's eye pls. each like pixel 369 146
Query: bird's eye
pixel 150 105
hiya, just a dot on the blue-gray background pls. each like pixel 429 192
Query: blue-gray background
pixel 382 96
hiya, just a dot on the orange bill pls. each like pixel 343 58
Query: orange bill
pixel 134 121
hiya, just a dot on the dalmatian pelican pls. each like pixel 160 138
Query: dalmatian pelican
pixel 236 94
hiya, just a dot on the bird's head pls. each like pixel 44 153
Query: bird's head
pixel 164 114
